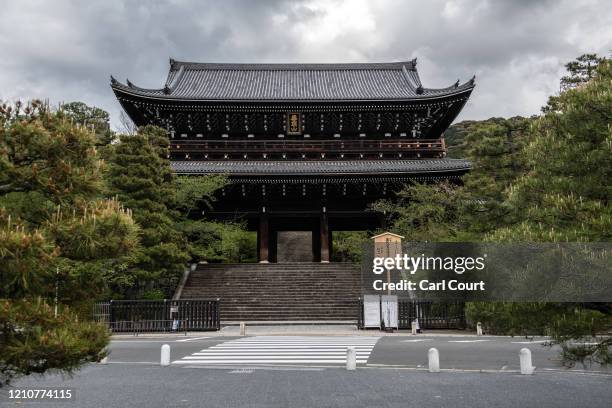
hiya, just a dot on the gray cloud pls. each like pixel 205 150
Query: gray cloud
pixel 66 50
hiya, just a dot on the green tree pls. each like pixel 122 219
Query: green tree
pixel 495 149
pixel 55 230
pixel 423 212
pixel 210 240
pixel 139 175
pixel 565 193
pixel 91 117
pixel 564 196
pixel 580 71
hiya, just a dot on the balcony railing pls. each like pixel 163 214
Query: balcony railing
pixel 299 146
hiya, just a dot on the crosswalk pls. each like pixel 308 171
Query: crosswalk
pixel 282 350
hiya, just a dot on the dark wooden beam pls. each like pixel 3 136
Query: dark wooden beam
pixel 324 231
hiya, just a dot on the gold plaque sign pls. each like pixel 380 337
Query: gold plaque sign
pixel 294 123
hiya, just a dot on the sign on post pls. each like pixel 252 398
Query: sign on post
pixel 387 245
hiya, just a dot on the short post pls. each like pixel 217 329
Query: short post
pixel 479 329
pixel 433 359
pixel 242 328
pixel 525 359
pixel 104 360
pixel 351 358
pixel 413 326
pixel 165 355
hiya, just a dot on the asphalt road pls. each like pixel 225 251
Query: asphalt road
pixel 152 386
pixel 477 372
pixel 465 353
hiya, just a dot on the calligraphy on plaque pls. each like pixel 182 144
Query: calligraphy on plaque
pixel 294 123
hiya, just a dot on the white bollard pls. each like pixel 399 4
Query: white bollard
pixel 525 359
pixel 479 329
pixel 414 327
pixel 433 358
pixel 351 358
pixel 242 328
pixel 165 355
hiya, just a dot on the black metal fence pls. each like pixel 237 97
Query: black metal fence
pixel 431 315
pixel 137 316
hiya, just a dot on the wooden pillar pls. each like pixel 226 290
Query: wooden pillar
pixel 263 238
pixel 316 240
pixel 324 231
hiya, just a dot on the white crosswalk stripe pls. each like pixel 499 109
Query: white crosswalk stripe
pixel 279 350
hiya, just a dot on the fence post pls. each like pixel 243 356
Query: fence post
pixel 165 355
pixel 351 358
pixel 413 326
pixel 111 321
pixel 433 360
pixel 217 314
pixel 479 329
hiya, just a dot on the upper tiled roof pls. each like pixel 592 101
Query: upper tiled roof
pixel 321 167
pixel 293 82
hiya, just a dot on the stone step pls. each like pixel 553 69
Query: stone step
pixel 279 292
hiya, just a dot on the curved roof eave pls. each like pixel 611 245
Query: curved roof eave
pixel 159 95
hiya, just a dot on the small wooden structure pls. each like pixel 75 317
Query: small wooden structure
pixel 387 245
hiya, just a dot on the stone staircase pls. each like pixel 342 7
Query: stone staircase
pixel 288 292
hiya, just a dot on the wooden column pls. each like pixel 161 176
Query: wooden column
pixel 263 238
pixel 324 231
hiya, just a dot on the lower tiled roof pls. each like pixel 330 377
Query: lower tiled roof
pixel 321 167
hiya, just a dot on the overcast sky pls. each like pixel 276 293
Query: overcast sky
pixel 66 50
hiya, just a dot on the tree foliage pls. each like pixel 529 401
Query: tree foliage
pixel 565 193
pixel 580 71
pixel 56 230
pixel 34 340
pixel 90 117
pixel 139 175
pixel 543 179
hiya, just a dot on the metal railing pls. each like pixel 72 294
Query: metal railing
pixel 431 315
pixel 139 316
pixel 316 146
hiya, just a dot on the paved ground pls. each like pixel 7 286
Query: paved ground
pixel 456 351
pixel 151 387
pixel 305 371
pixel 283 350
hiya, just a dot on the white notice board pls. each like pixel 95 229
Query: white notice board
pixel 371 311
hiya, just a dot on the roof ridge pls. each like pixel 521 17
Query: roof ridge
pixel 397 65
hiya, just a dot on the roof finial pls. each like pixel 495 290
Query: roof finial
pixel 172 61
pixel 419 90
pixel 414 61
pixel 457 84
pixel 113 80
pixel 166 89
pixel 473 80
pixel 130 84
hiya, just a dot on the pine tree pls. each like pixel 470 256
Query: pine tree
pixel 56 231
pixel 566 191
pixel 140 177
pixel 580 71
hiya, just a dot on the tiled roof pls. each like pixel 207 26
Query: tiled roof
pixel 321 167
pixel 292 82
